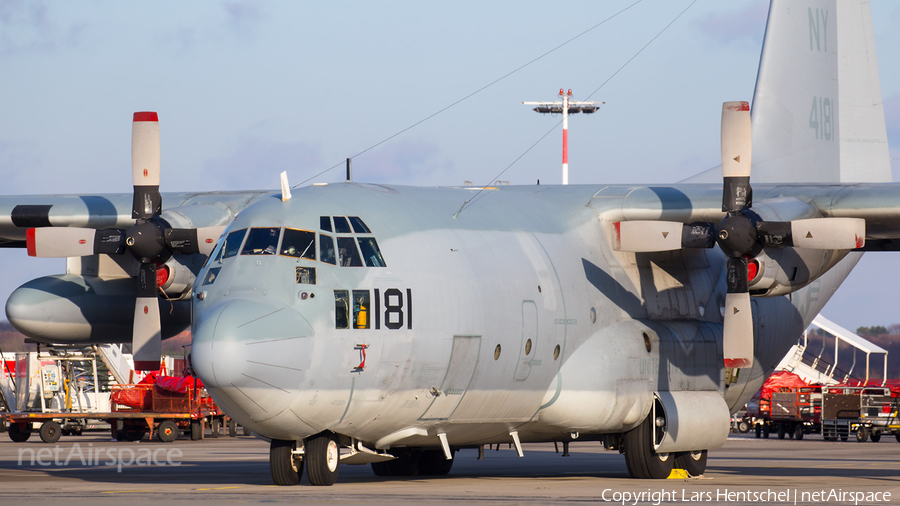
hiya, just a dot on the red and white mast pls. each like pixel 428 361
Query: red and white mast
pixel 566 106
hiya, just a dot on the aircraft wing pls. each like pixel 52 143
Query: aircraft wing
pixel 186 210
pixel 876 203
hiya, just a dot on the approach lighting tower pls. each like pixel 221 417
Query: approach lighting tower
pixel 566 107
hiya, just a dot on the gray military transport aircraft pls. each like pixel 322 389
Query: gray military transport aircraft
pixel 361 323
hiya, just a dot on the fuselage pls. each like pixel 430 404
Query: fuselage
pixel 511 314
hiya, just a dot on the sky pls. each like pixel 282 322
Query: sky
pixel 245 90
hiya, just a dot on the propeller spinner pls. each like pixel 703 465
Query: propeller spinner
pixel 741 234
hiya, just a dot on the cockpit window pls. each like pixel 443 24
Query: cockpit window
pixel 326 249
pixel 233 243
pixel 299 244
pixel 370 252
pixel 349 253
pixel 325 223
pixel 261 241
pixel 358 226
pixel 341 226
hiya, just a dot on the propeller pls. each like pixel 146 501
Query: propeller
pixel 150 240
pixel 741 234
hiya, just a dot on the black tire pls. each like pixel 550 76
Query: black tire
pixel 247 432
pixel 232 428
pixel 743 427
pixel 845 437
pixel 897 435
pixel 117 427
pixel 286 469
pixel 406 463
pixel 781 431
pixel 215 424
pixel 50 432
pixel 758 431
pixel 322 459
pixel 196 430
pixel 167 431
pixel 862 435
pixel 798 432
pixel 434 463
pixel 765 431
pixel 20 432
pixel 875 437
pixel 641 460
pixel 692 462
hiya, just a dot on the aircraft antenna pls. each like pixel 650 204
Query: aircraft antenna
pixel 566 107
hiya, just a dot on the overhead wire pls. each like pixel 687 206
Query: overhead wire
pixel 470 95
pixel 635 55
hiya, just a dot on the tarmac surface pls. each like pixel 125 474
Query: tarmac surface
pixel 231 470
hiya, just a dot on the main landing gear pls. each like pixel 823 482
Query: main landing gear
pixel 645 463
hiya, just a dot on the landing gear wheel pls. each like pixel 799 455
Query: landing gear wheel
pixel 862 435
pixel 406 463
pixel 20 432
pixel 692 462
pixel 50 432
pixel 743 427
pixel 196 430
pixel 232 428
pixel 247 432
pixel 286 468
pixel 875 437
pixel 758 431
pixel 641 460
pixel 167 431
pixel 323 459
pixel 215 424
pixel 798 432
pixel 434 463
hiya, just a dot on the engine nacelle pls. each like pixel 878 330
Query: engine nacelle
pixel 69 308
pixel 786 270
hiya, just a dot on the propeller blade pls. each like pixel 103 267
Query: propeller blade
pixel 649 236
pixel 737 194
pixel 147 332
pixel 738 325
pixel 62 242
pixel 829 233
pixel 193 240
pixel 145 165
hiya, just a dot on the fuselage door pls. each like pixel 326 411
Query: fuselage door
pixel 463 359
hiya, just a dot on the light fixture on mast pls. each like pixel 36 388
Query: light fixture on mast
pixel 566 107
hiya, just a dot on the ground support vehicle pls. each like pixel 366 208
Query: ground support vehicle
pixel 795 411
pixel 138 410
pixel 866 412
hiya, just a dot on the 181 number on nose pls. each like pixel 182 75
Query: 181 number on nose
pixel 396 312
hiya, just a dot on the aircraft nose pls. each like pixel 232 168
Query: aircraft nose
pixel 252 355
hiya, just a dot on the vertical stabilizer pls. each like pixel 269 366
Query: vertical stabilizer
pixel 817 111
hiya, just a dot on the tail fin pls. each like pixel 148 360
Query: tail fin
pixel 817 111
